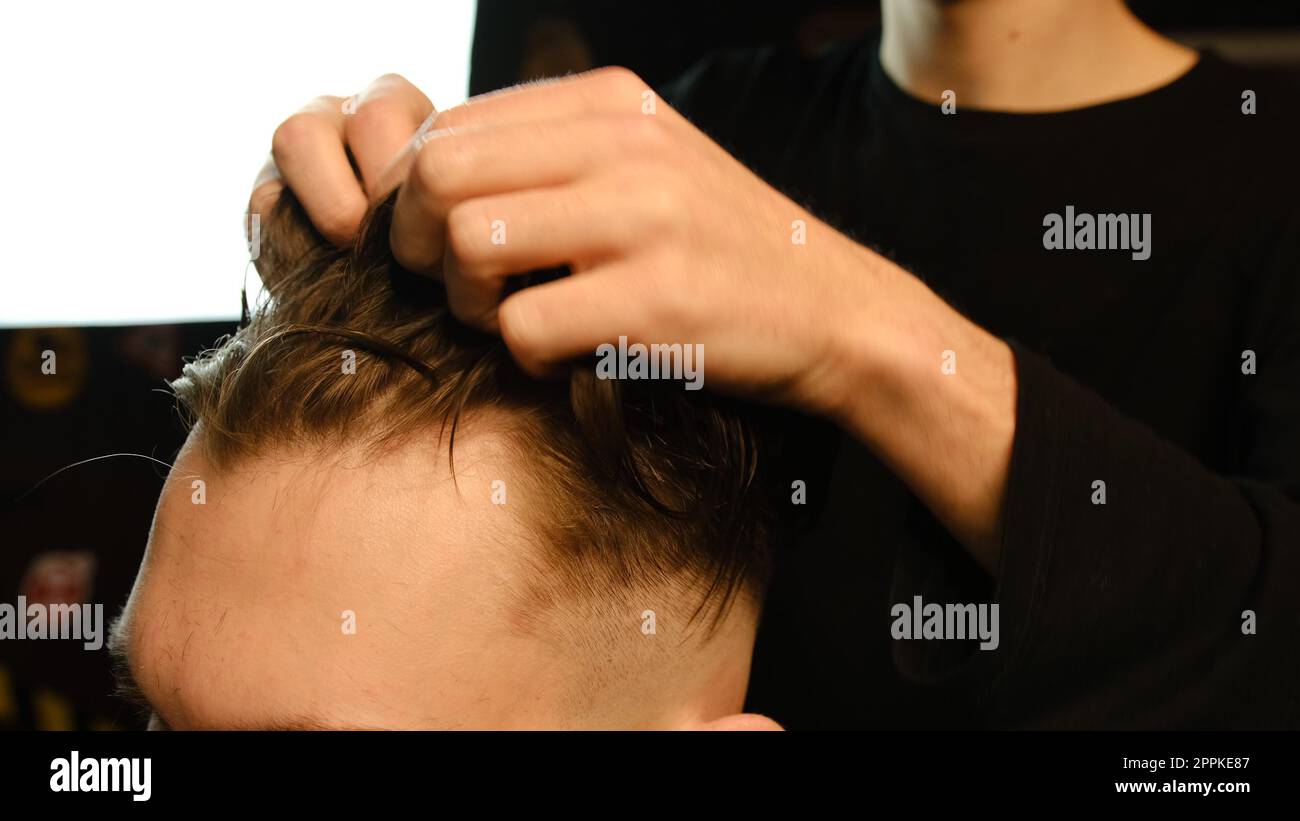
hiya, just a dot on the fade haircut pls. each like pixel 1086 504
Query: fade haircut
pixel 646 485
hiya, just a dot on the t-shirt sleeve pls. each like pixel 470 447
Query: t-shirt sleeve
pixel 1176 602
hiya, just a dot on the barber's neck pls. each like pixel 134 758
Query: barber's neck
pixel 1025 55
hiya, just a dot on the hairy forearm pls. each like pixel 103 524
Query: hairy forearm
pixel 934 396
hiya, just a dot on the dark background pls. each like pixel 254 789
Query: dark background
pixel 80 535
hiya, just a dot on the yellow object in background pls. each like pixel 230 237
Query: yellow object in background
pixel 53 712
pixel 46 368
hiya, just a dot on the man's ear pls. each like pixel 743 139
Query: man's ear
pixel 737 723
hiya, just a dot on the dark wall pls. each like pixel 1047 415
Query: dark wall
pixel 79 535
pixel 516 41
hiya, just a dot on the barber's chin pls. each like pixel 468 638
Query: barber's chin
pixel 737 723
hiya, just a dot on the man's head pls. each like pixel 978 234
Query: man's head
pixel 379 521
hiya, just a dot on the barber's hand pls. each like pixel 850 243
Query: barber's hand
pixel 670 239
pixel 309 152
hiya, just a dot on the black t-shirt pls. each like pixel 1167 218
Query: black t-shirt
pixel 1132 371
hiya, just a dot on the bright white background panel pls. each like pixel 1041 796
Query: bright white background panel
pixel 131 133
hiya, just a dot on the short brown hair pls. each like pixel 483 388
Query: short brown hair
pixel 649 483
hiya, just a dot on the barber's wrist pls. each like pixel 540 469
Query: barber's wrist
pixel 843 345
pixel 874 336
pixel 933 395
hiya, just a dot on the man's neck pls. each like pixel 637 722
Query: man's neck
pixel 1025 55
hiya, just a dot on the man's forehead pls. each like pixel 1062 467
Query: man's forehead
pixel 293 578
pixel 368 513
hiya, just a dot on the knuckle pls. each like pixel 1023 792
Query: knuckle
pixel 661 206
pixel 293 134
pixel 376 113
pixel 646 134
pixel 440 166
pixel 453 118
pixel 390 78
pixel 339 220
pixel 620 79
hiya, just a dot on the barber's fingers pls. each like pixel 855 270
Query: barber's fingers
pixel 308 149
pixel 604 91
pixel 571 317
pixel 491 238
pixel 610 90
pixel 454 167
pixel 310 152
pixel 379 122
